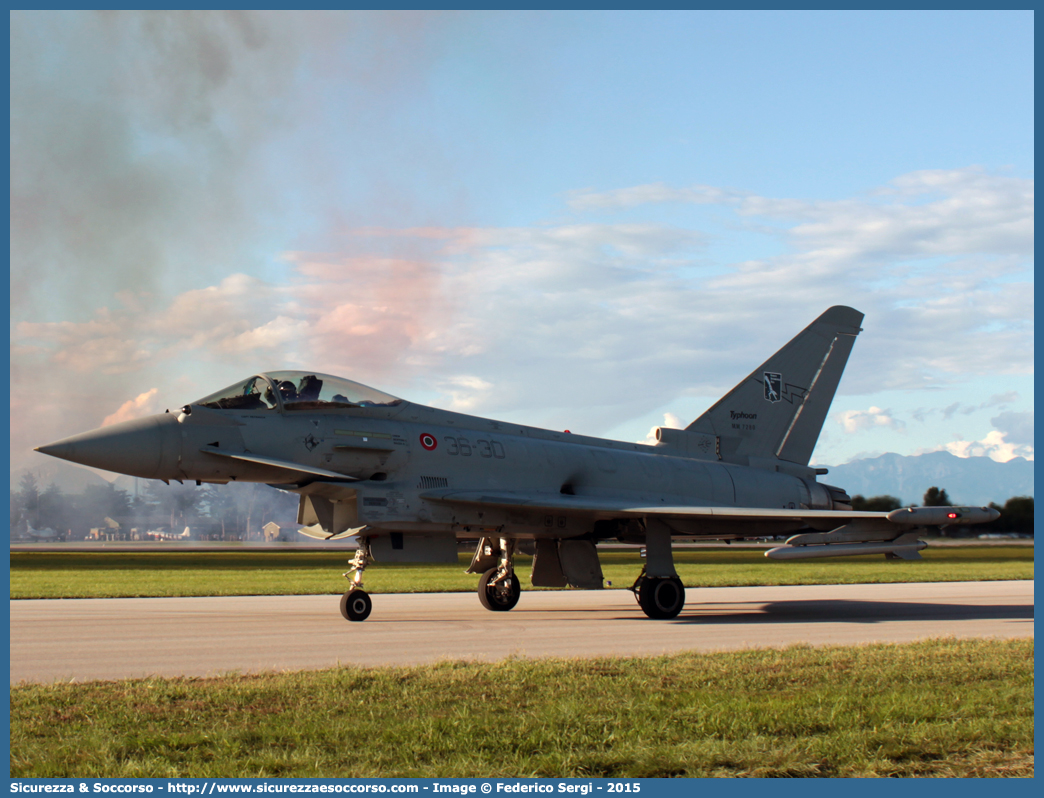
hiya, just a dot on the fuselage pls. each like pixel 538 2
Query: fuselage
pixel 394 456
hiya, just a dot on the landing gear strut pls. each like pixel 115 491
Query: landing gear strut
pixel 356 604
pixel 499 588
pixel 659 591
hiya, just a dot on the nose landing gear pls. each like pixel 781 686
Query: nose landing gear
pixel 498 596
pixel 499 588
pixel 356 604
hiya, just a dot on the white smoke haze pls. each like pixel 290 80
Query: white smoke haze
pixel 131 156
pixel 142 142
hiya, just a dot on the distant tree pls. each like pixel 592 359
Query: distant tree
pixel 1019 511
pixel 54 509
pixel 876 504
pixel 242 509
pixel 29 498
pixel 16 509
pixel 220 505
pixel 178 503
pixel 936 497
pixel 98 502
pixel 1016 517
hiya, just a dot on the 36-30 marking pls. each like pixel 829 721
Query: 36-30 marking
pixel 463 448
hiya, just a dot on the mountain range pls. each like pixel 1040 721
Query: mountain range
pixel 967 480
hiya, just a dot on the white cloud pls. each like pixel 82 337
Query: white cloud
pixel 652 193
pixel 1012 436
pixel 857 420
pixel 670 420
pixel 277 332
pixel 994 446
pixel 466 391
pixel 955 212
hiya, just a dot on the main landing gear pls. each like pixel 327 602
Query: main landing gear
pixel 356 604
pixel 659 591
pixel 499 588
pixel 660 597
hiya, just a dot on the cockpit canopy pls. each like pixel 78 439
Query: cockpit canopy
pixel 296 390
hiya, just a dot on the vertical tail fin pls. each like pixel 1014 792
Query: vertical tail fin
pixel 779 409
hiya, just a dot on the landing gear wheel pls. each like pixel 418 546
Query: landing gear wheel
pixel 356 605
pixel 661 598
pixel 498 598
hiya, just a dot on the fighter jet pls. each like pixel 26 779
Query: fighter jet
pixel 46 534
pixel 409 480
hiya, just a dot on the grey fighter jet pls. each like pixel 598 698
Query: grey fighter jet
pixel 46 534
pixel 409 481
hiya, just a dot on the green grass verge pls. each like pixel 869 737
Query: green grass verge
pixel 937 708
pixel 121 574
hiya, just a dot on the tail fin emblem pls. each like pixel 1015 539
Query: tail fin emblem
pixel 773 386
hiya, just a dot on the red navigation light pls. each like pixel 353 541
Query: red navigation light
pixel 952 515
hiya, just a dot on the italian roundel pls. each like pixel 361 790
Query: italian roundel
pixel 428 441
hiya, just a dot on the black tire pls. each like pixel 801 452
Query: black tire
pixel 661 598
pixel 494 597
pixel 356 605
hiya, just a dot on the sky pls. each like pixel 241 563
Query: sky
pixel 595 221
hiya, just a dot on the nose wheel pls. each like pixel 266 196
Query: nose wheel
pixel 498 596
pixel 499 588
pixel 356 605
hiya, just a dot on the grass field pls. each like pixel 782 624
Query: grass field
pixel 102 574
pixel 937 708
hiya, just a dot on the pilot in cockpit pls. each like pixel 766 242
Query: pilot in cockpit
pixel 309 387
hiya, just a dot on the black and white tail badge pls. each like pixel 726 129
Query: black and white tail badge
pixel 428 441
pixel 773 386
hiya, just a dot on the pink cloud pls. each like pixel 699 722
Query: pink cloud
pixel 141 405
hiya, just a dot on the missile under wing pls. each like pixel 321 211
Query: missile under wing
pixel 409 481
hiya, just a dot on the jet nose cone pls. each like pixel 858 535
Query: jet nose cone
pixel 59 449
pixel 145 447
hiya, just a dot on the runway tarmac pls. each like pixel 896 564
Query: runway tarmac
pixel 89 639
